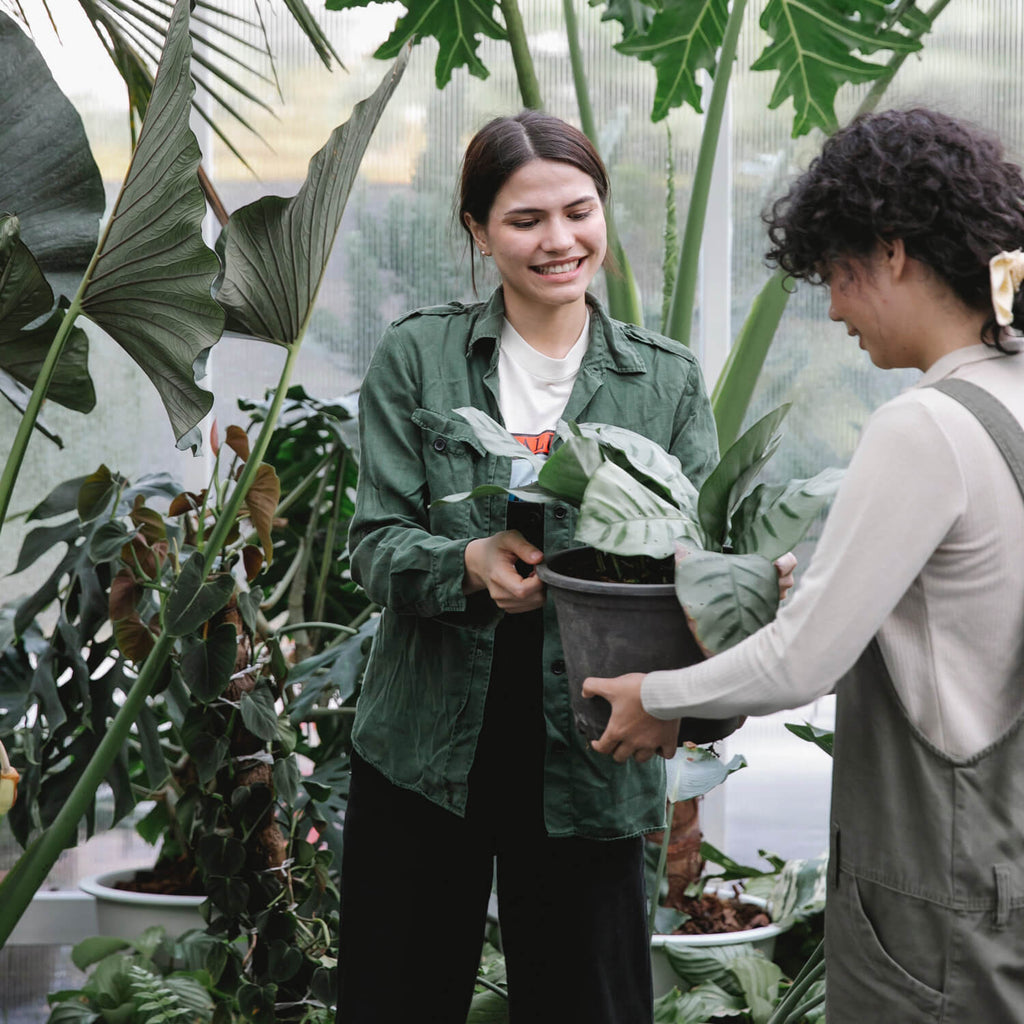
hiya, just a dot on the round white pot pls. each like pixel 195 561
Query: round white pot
pixel 665 977
pixel 127 915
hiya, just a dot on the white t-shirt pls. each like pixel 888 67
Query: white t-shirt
pixel 923 546
pixel 533 390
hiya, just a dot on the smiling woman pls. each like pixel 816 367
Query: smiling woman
pixel 467 675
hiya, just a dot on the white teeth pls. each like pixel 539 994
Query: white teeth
pixel 559 268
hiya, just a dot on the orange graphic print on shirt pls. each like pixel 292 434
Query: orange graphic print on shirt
pixel 539 444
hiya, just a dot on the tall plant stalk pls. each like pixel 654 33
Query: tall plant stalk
pixel 32 867
pixel 734 388
pixel 680 315
pixel 623 293
pixel 19 446
pixel 526 75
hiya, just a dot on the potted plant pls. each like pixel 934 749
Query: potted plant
pixel 623 606
pixel 190 689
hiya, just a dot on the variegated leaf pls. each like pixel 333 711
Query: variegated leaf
pixel 771 520
pixel 496 439
pixel 622 516
pixel 646 460
pixel 725 597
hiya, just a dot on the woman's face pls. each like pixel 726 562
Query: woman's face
pixel 864 296
pixel 546 233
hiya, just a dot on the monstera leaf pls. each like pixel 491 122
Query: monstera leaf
pixel 457 25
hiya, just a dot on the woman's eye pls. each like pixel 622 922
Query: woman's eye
pixel 580 214
pixel 523 223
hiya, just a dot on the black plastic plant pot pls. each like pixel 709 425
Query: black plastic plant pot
pixel 610 628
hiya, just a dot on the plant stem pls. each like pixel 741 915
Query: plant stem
pixel 659 875
pixel 497 989
pixel 680 318
pixel 811 971
pixel 526 76
pixel 28 420
pixel 881 83
pixel 32 867
pixel 623 294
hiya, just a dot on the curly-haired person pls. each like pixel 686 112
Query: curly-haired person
pixel 913 606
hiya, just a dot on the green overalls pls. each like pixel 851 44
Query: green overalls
pixel 924 919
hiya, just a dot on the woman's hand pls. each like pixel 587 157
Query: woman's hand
pixel 631 732
pixel 784 566
pixel 491 566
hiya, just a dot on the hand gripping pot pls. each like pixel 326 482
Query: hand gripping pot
pixel 609 629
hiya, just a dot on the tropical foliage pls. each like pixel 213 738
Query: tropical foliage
pixel 634 499
pixel 150 283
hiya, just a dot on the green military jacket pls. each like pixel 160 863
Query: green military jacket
pixel 421 706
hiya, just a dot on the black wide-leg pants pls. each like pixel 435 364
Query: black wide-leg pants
pixel 416 880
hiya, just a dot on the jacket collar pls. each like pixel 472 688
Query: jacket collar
pixel 609 348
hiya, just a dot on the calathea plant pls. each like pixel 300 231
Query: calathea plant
pixel 634 500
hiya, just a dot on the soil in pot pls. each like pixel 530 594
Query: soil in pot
pixel 715 913
pixel 609 627
pixel 167 878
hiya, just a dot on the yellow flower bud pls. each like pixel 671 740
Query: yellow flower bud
pixel 8 789
pixel 8 782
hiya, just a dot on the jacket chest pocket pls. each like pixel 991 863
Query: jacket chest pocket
pixel 453 461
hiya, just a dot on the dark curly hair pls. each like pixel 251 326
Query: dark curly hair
pixel 941 185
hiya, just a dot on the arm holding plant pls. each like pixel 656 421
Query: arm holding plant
pixel 871 551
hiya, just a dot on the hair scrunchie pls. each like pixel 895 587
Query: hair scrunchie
pixel 1006 272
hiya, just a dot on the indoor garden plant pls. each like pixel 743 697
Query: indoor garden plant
pixel 197 574
pixel 618 596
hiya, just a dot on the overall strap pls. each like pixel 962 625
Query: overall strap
pixel 998 421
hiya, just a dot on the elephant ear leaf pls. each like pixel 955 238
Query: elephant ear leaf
pixel 150 285
pixel 725 597
pixel 275 250
pixel 25 296
pixel 50 180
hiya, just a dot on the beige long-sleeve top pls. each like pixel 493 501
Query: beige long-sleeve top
pixel 924 546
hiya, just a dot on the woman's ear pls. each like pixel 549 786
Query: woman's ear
pixel 479 234
pixel 895 253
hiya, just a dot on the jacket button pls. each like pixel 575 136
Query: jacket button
pixel 559 511
pixel 440 444
pixel 558 667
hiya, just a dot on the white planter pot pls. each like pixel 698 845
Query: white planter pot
pixel 128 914
pixel 665 977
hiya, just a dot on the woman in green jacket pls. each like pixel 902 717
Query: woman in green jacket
pixel 466 762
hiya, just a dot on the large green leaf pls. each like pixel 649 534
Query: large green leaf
pixel 726 597
pixel 759 978
pixel 728 481
pixel 682 38
pixel 814 46
pixel 569 468
pixel 50 180
pixel 26 296
pixel 646 460
pixel 622 516
pixel 275 250
pixel 496 439
pixel 772 519
pixel 457 25
pixel 150 285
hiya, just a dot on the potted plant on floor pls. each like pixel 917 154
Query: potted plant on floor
pixel 623 606
pixel 265 875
